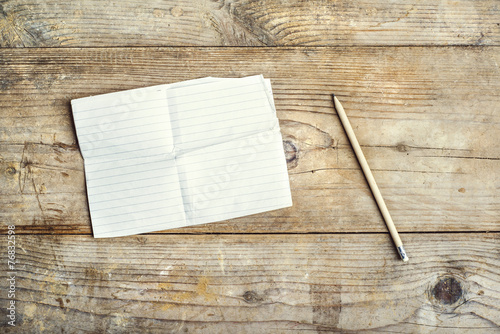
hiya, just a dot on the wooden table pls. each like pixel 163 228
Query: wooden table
pixel 420 82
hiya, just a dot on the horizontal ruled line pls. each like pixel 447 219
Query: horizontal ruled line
pixel 118 129
pixel 112 106
pixel 121 120
pixel 211 91
pixel 118 113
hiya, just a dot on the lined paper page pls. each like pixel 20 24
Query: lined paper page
pixel 229 149
pixel 127 145
pixel 235 179
pixel 117 125
pixel 219 112
pixel 140 196
pixel 181 154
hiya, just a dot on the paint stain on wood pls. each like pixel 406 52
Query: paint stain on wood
pixel 201 290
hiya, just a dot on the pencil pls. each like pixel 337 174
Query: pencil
pixel 370 179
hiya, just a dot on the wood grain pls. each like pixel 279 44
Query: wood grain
pixel 420 83
pixel 429 132
pixel 38 23
pixel 249 283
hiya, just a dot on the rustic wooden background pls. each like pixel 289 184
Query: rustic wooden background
pixel 420 82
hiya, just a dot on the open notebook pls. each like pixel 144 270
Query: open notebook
pixel 175 155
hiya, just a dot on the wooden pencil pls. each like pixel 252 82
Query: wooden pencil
pixel 370 179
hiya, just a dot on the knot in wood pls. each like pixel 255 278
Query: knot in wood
pixel 447 290
pixel 290 153
pixel 11 171
pixel 402 147
pixel 176 11
pixel 252 297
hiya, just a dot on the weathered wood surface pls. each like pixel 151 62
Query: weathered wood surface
pixel 251 284
pixel 427 118
pixel 53 23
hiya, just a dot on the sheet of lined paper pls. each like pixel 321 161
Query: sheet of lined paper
pixel 127 145
pixel 176 155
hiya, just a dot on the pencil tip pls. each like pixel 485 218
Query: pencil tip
pixel 333 95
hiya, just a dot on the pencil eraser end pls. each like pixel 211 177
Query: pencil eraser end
pixel 402 253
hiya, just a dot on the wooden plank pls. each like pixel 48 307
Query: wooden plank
pixel 38 23
pixel 252 283
pixel 429 132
